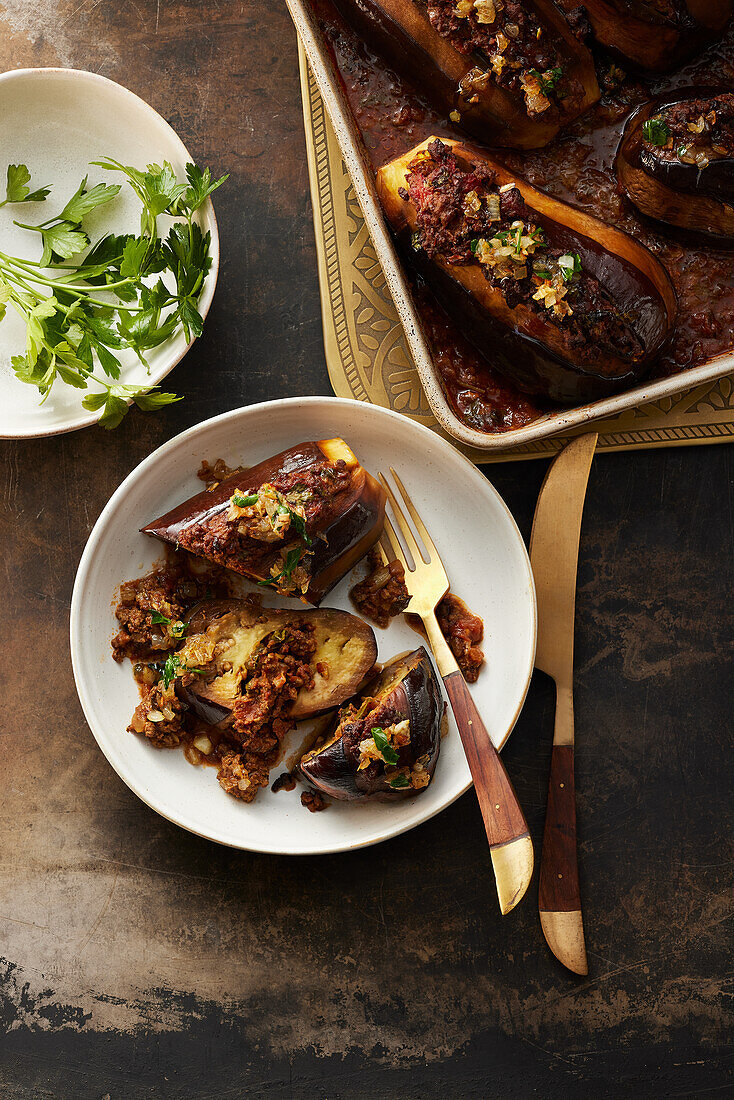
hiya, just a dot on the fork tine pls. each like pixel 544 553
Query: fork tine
pixel 420 525
pixel 390 536
pixel 380 548
pixel 403 524
pixel 386 547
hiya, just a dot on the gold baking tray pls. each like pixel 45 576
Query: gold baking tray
pixel 369 356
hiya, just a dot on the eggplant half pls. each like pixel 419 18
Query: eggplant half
pixel 655 34
pixel 224 637
pixel 510 77
pixel 384 745
pixel 675 161
pixel 568 307
pixel 296 522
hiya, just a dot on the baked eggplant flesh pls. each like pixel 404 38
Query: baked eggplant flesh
pixel 232 644
pixel 676 160
pixel 385 744
pixel 510 73
pixel 295 523
pixel 568 307
pixel 655 34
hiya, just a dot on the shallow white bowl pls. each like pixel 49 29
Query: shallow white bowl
pixel 485 558
pixel 56 121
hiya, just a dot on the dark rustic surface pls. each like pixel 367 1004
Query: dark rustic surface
pixel 140 961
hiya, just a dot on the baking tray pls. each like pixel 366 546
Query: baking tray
pixel 356 162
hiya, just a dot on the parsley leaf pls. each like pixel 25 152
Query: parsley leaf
pixel 656 131
pixel 71 333
pixel 61 241
pixel 387 752
pixel 17 190
pixel 398 782
pixel 82 201
pixel 201 186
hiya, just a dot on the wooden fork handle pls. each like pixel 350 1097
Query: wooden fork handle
pixel 503 818
pixel 559 873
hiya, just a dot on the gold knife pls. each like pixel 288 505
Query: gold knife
pixel 554 552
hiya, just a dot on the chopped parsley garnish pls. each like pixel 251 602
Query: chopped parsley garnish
pixel 548 80
pixel 244 502
pixel 292 559
pixel 178 629
pixel 298 523
pixel 398 782
pixel 473 246
pixel 570 265
pixel 173 668
pixel 415 242
pixel 656 131
pixel 385 749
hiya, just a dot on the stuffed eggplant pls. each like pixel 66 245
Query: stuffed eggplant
pixel 295 523
pixel 676 160
pixel 243 652
pixel 385 743
pixel 655 34
pixel 566 306
pixel 511 73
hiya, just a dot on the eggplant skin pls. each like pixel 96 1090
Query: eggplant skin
pixel 649 40
pixel 700 201
pixel 408 688
pixel 346 650
pixel 348 527
pixel 525 346
pixel 402 32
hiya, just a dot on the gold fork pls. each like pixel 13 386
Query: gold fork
pixel 504 821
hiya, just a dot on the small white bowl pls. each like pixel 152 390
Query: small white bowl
pixel 56 121
pixel 485 558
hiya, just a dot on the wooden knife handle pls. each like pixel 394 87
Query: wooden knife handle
pixel 503 818
pixel 559 871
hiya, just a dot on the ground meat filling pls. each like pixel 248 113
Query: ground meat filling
pixel 694 132
pixel 382 594
pixel 277 672
pixel 234 536
pixel 313 801
pixel 464 217
pixel 463 630
pixel 151 609
pixel 246 751
pixel 520 53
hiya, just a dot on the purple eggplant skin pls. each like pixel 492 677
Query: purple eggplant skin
pixel 700 201
pixel 402 32
pixel 348 527
pixel 408 688
pixel 648 39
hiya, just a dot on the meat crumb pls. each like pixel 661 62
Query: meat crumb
pixel 313 801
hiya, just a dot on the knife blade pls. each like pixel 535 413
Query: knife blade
pixel 554 550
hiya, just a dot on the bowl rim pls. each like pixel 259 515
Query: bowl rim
pixel 208 217
pixel 143 467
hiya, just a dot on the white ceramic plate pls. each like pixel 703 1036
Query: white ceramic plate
pixel 56 121
pixel 485 558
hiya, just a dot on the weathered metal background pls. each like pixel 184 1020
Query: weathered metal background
pixel 140 961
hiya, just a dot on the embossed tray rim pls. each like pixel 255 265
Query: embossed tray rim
pixel 350 144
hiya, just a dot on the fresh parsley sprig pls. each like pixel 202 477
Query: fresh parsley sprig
pixel 83 302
